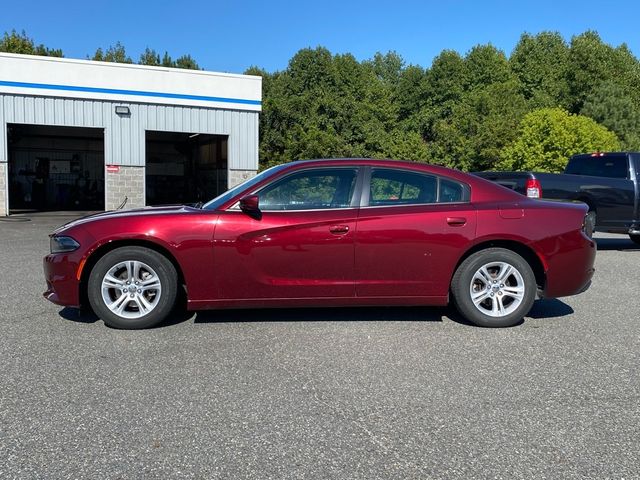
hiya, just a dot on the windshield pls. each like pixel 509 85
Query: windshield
pixel 247 184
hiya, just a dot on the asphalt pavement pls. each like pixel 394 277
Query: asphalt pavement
pixel 319 393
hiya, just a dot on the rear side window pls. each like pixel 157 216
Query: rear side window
pixel 398 187
pixel 611 166
pixel 450 191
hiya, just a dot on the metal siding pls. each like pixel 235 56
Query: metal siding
pixel 244 126
pixel 18 110
pixel 152 117
pixel 39 110
pixel 125 136
pixel 3 136
pixel 255 140
pixel 29 109
pixel 68 112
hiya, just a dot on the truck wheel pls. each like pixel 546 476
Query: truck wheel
pixel 635 238
pixel 494 288
pixel 132 287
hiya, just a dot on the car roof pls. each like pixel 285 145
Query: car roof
pixel 409 165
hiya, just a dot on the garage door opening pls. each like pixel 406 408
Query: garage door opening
pixel 184 168
pixel 55 168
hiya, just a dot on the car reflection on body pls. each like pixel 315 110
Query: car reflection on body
pixel 346 232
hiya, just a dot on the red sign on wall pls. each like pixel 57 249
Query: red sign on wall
pixel 113 168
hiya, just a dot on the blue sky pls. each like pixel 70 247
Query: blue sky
pixel 231 36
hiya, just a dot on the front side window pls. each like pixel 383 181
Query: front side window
pixel 396 187
pixel 310 190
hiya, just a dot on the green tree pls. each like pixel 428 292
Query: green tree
pixel 613 106
pixel 480 126
pixel 486 65
pixel 547 137
pixel 115 53
pixel 149 57
pixel 388 67
pixel 15 42
pixel 410 93
pixel 167 61
pixel 187 62
pixel 446 81
pixel 541 63
pixel 592 62
pixel 435 95
pixel 329 106
pixel 403 145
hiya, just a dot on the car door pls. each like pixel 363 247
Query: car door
pixel 411 229
pixel 301 245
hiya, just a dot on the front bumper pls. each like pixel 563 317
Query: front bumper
pixel 63 287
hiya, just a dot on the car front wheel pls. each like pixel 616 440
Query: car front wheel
pixel 635 238
pixel 132 287
pixel 494 288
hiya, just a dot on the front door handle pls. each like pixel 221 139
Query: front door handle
pixel 456 221
pixel 339 229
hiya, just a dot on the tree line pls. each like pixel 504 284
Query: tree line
pixel 20 42
pixel 548 99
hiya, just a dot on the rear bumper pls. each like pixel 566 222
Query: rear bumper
pixel 571 266
pixel 63 288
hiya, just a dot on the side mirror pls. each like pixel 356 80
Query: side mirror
pixel 251 205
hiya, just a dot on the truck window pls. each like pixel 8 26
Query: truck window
pixel 612 166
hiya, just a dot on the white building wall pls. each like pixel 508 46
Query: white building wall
pixel 125 135
pixel 71 78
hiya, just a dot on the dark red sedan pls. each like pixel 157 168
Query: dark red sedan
pixel 328 233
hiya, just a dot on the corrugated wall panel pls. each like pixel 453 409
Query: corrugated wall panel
pixel 29 109
pixel 3 137
pixel 39 108
pixel 125 135
pixel 18 110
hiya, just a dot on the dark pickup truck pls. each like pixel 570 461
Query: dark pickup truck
pixel 609 183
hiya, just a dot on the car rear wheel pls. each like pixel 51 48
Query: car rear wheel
pixel 132 287
pixel 494 288
pixel 635 238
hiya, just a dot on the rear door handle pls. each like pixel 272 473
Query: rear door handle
pixel 456 221
pixel 339 229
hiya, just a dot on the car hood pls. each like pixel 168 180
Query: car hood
pixel 135 212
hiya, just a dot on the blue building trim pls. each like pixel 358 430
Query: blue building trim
pixel 138 93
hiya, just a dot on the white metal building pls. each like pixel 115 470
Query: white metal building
pixel 84 135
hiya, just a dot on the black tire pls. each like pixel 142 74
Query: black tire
pixel 493 294
pixel 635 238
pixel 161 268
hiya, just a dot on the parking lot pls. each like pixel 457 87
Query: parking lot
pixel 313 393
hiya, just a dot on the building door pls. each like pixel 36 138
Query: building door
pixel 184 168
pixel 55 168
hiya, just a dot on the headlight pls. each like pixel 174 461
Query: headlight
pixel 63 244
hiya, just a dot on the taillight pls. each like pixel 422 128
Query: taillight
pixel 533 187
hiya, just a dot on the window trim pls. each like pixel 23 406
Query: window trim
pixel 366 189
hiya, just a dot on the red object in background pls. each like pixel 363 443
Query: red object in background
pixel 113 168
pixel 533 188
pixel 357 254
